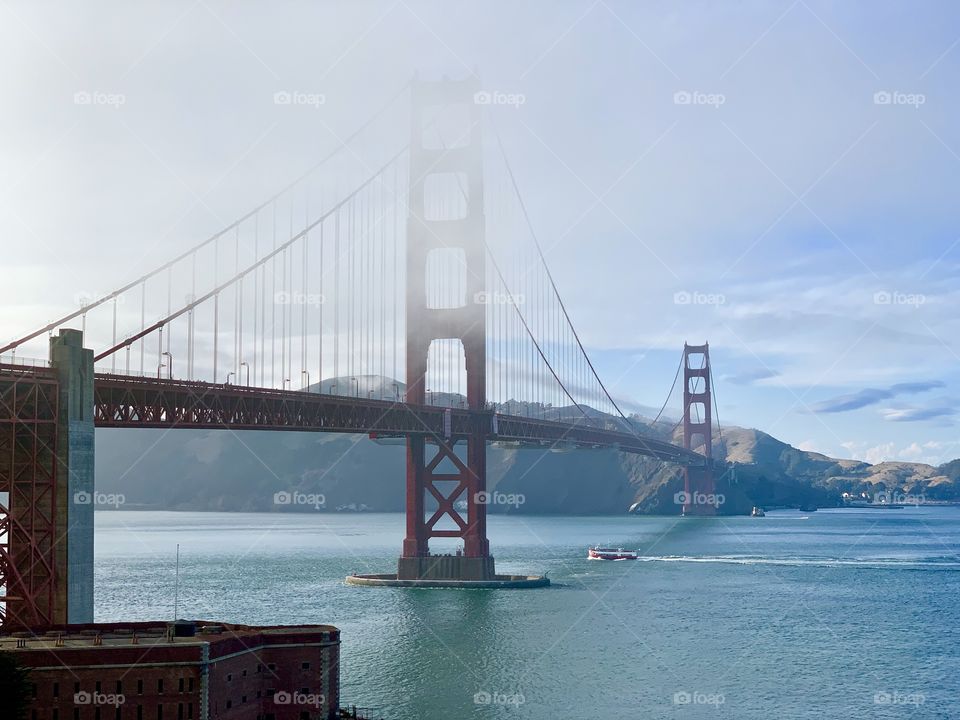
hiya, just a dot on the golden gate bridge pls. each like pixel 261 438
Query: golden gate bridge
pixel 424 266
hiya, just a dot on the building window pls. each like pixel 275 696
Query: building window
pixel 139 712
pixel 243 698
pixel 229 677
pixel 117 714
pixel 229 704
pixel 189 711
pixel 190 684
pixel 304 666
pixel 304 715
pixel 160 686
pixel 180 685
pixel 56 690
pixel 96 713
pixel 97 686
pixel 159 712
pixel 76 714
pixel 259 693
pixel 139 687
pixel 179 711
pixel 259 667
pixel 76 688
pixel 119 687
pixel 56 714
pixel 271 666
pixel 271 692
pixel 33 689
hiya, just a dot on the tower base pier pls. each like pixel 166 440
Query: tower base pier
pixel 446 567
pixel 448 571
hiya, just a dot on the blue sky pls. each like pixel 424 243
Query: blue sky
pixel 778 178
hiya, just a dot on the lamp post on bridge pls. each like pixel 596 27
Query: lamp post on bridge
pixel 245 365
pixel 356 391
pixel 307 374
pixel 227 381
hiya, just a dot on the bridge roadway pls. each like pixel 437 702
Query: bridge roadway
pixel 130 401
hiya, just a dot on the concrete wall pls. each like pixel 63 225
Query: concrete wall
pixel 75 495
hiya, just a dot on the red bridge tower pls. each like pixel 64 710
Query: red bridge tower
pixel 454 165
pixel 698 482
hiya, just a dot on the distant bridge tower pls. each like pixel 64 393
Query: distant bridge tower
pixel 453 165
pixel 698 482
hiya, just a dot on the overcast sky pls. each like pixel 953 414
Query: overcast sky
pixel 776 177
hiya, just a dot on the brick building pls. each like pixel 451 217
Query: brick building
pixel 181 671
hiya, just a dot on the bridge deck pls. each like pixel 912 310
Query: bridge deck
pixel 125 401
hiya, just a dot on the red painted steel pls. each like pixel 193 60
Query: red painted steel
pixel 32 552
pixel 699 488
pixel 466 323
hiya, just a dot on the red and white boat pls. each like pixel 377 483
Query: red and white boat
pixel 598 552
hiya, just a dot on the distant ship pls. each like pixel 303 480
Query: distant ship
pixel 606 553
pixel 757 512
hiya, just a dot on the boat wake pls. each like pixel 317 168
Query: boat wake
pixel 879 563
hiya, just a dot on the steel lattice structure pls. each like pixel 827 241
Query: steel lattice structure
pixel 32 542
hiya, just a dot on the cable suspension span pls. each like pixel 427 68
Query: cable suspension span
pixel 669 394
pixel 527 328
pixel 279 250
pixel 516 306
pixel 716 411
pixel 231 227
pixel 546 268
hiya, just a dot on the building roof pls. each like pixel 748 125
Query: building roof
pixel 154 634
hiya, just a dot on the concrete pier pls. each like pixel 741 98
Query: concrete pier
pixel 448 571
pixel 75 487
pixel 503 582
